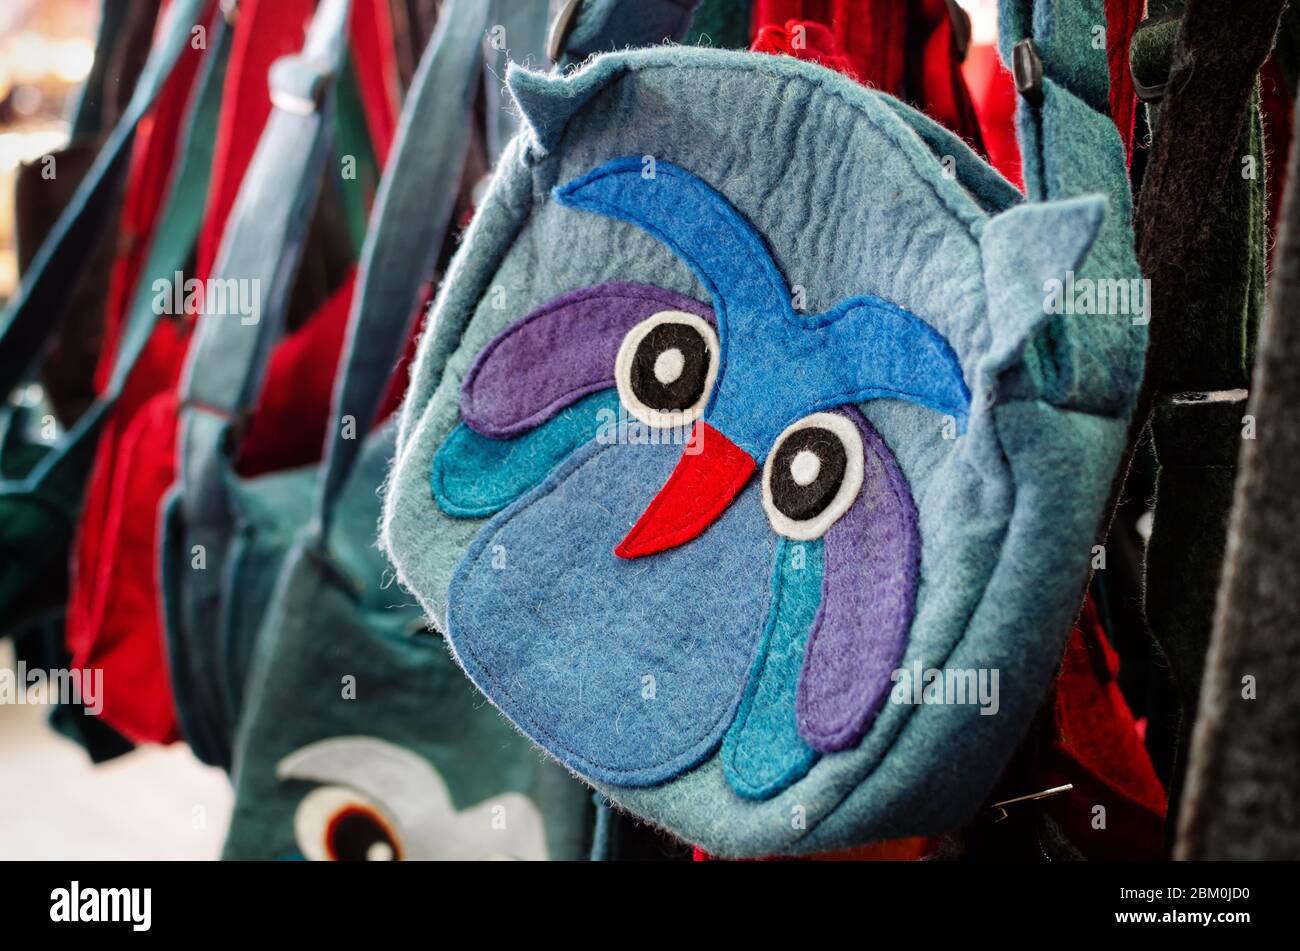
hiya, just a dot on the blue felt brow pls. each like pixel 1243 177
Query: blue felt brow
pixel 776 365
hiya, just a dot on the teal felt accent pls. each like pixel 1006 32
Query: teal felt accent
pixel 474 476
pixel 1006 512
pixel 983 181
pixel 763 752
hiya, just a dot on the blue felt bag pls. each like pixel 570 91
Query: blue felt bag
pixel 761 433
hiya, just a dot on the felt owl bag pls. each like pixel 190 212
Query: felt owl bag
pixel 752 460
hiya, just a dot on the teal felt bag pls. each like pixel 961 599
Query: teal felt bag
pixel 357 736
pixel 753 468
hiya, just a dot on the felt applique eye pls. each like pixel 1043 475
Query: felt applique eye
pixel 665 368
pixel 812 475
pixel 337 824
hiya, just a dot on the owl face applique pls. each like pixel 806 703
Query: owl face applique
pixel 740 547
pixel 727 439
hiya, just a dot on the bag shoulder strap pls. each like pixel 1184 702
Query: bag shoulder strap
pixel 264 237
pixel 412 212
pixel 24 324
pixel 61 473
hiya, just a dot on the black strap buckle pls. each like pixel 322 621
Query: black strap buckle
pixel 1027 68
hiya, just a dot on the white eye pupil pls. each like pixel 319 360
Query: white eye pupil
pixel 669 366
pixel 804 467
pixel 379 852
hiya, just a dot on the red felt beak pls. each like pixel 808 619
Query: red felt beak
pixel 711 473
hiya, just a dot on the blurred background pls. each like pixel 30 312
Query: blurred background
pixel 155 802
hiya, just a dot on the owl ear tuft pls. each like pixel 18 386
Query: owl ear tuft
pixel 1027 251
pixel 548 101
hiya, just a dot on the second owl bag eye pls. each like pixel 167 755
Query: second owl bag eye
pixel 752 468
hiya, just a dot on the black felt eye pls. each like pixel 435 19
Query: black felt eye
pixel 812 475
pixel 358 834
pixel 665 368
pixel 337 824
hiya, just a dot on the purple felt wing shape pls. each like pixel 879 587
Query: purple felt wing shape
pixel 872 559
pixel 558 354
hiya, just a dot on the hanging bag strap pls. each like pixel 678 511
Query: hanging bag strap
pixel 261 246
pixel 1201 235
pixel 412 212
pixel 518 34
pixel 1244 775
pixel 25 326
pixel 1068 139
pixel 125 27
pixel 264 236
pixel 61 474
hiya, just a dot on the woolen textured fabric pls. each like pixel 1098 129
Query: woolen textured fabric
pixel 882 349
pixel 1241 797
pixel 330 632
pixel 549 680
pixel 1027 480
pixel 36 558
pixel 1210 102
pixel 225 366
pixel 116 606
pixel 25 323
pixel 173 149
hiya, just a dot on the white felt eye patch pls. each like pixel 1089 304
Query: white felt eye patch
pixel 665 368
pixel 812 475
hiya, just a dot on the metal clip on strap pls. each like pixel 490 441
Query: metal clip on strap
pixel 1027 68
